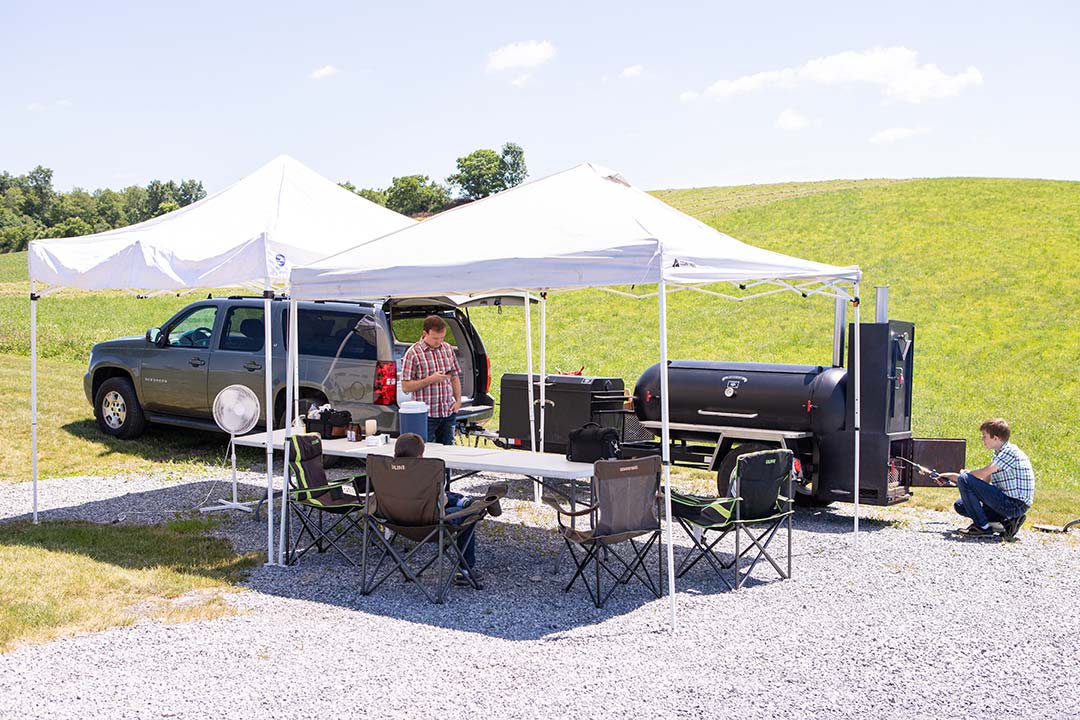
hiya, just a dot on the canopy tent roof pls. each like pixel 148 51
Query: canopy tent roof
pixel 582 227
pixel 252 232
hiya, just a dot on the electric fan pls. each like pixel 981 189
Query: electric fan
pixel 236 410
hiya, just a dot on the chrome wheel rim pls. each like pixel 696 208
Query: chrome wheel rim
pixel 114 410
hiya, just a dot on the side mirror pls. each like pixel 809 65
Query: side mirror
pixel 154 336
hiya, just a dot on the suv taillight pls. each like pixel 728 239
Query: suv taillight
pixel 487 377
pixel 385 382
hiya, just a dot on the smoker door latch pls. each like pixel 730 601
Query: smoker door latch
pixel 810 406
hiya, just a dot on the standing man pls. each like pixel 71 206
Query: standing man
pixel 996 497
pixel 430 371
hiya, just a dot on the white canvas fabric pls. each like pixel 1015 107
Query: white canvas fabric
pixel 582 227
pixel 252 232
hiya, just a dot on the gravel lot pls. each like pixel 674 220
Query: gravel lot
pixel 912 623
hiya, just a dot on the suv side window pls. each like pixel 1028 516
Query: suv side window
pixel 243 330
pixel 325 333
pixel 194 329
pixel 409 329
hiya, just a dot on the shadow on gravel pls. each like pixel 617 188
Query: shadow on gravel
pixel 522 599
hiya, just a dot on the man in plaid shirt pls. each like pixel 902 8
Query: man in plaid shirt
pixel 430 371
pixel 996 497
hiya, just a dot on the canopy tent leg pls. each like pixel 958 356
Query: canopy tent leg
pixel 857 369
pixel 33 398
pixel 290 387
pixel 537 489
pixel 268 294
pixel 665 444
pixel 543 366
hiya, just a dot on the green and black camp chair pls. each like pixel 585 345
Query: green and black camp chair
pixel 312 497
pixel 626 506
pixel 407 503
pixel 758 484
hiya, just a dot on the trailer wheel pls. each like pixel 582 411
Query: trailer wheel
pixel 727 465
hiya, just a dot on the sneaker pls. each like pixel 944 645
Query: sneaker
pixel 461 579
pixel 974 530
pixel 1012 526
pixel 996 528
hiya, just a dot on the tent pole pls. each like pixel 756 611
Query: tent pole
pixel 665 443
pixel 268 407
pixel 543 366
pixel 857 369
pixel 289 388
pixel 537 497
pixel 33 397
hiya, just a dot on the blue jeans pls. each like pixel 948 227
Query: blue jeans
pixel 984 503
pixel 441 430
pixel 466 541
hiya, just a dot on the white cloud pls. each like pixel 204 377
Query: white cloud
pixel 896 134
pixel 688 97
pixel 324 72
pixel 633 71
pixel 528 54
pixel 38 106
pixel 521 80
pixel 791 120
pixel 896 71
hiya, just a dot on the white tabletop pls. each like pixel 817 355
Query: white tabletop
pixel 456 457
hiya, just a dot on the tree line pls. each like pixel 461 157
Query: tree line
pixel 30 208
pixel 479 174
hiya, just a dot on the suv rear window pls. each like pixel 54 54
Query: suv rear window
pixel 409 329
pixel 325 333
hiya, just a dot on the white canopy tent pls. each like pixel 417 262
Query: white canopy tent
pixel 249 234
pixel 583 227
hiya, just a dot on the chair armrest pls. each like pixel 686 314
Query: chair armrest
pixel 321 488
pixel 563 511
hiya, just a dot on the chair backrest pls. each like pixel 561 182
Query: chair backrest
pixel 625 492
pixel 408 491
pixel 306 464
pixel 760 479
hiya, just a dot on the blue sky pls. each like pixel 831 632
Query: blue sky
pixel 670 94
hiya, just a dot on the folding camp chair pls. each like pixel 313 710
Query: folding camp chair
pixel 312 497
pixel 407 498
pixel 626 506
pixel 757 483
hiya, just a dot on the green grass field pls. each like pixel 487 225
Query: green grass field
pixel 982 266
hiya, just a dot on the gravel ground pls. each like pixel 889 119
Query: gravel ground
pixel 912 623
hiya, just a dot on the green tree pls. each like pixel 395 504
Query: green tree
pixel 514 170
pixel 416 194
pixel 136 204
pixel 374 195
pixel 158 194
pixel 190 191
pixel 479 174
pixel 72 227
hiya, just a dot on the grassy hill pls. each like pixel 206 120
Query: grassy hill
pixel 984 268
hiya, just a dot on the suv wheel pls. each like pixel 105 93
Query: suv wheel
pixel 117 409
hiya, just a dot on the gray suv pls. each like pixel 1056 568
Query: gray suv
pixel 350 356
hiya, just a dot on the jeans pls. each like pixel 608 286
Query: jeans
pixel 984 503
pixel 441 430
pixel 466 541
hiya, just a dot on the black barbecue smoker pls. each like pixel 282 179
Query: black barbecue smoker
pixel 719 411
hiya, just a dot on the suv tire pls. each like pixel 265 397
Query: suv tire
pixel 117 409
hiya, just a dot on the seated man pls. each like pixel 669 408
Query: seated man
pixel 996 497
pixel 412 445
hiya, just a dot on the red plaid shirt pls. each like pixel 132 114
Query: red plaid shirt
pixel 422 360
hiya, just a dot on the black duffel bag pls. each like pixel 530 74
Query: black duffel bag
pixel 330 424
pixel 590 443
